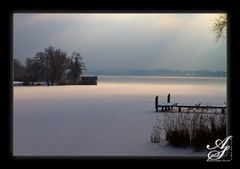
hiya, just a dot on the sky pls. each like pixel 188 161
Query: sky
pixel 122 41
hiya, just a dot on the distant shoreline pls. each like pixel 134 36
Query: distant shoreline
pixel 160 72
pixel 165 76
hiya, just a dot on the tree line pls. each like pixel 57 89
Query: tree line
pixel 51 65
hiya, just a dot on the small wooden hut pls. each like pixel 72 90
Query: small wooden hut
pixel 89 80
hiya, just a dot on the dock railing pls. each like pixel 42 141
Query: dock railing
pixel 170 106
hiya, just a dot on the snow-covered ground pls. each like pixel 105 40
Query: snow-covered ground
pixel 107 119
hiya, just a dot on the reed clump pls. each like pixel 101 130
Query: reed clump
pixel 194 130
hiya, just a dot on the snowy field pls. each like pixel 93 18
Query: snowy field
pixel 110 119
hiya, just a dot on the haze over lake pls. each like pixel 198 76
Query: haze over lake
pixel 124 41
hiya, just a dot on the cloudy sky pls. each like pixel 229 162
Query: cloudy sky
pixel 124 41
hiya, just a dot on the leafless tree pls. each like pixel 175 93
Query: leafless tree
pixel 19 70
pixel 220 26
pixel 76 67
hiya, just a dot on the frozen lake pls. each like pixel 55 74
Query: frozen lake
pixel 114 118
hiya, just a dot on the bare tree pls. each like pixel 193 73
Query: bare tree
pixel 19 70
pixel 32 70
pixel 220 26
pixel 43 66
pixel 56 61
pixel 76 67
pixel 50 65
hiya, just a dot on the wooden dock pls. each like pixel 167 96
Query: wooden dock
pixel 170 106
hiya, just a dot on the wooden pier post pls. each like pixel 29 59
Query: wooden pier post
pixel 168 98
pixel 156 103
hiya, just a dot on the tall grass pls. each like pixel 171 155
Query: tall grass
pixel 177 131
pixel 200 132
pixel 191 129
